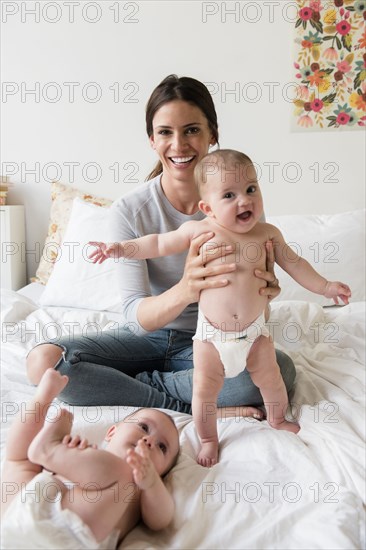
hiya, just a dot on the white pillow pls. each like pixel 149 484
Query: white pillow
pixel 75 281
pixel 333 244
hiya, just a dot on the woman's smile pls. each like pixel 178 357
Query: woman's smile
pixel 182 162
pixel 181 137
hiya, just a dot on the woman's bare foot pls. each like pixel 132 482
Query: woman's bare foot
pixel 50 436
pixel 286 425
pixel 209 454
pixel 242 411
pixel 51 384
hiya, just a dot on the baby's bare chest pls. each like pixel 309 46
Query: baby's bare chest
pixel 248 250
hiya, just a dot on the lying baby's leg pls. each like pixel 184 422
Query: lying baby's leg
pixel 49 440
pixel 266 375
pixel 31 420
pixel 18 468
pixel 103 486
pixel 68 456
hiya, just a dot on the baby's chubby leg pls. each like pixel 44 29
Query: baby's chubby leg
pixel 31 419
pixel 266 375
pixel 73 458
pixel 18 469
pixel 208 378
pixel 103 481
pixel 50 439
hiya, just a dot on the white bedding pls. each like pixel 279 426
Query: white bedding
pixel 270 489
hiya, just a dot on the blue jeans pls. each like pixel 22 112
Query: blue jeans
pixel 156 370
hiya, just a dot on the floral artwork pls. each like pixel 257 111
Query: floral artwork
pixel 330 64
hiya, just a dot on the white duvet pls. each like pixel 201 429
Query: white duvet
pixel 270 489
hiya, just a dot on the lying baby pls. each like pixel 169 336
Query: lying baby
pixel 111 489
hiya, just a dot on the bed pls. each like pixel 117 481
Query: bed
pixel 270 489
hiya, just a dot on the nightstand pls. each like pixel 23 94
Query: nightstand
pixel 12 249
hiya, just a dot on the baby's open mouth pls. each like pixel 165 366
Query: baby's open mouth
pixel 244 215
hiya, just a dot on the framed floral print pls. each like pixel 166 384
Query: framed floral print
pixel 330 65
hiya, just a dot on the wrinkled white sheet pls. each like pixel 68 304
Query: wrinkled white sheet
pixel 270 489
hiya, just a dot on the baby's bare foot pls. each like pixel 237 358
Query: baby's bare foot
pixel 51 384
pixel 209 454
pixel 51 435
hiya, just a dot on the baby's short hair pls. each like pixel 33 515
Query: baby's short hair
pixel 221 160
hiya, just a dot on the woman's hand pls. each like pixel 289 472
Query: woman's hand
pixel 198 271
pixel 272 290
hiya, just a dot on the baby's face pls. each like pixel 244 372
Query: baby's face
pixel 155 428
pixel 233 198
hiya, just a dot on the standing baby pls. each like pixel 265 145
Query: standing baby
pixel 231 330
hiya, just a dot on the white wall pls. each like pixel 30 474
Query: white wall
pixel 136 44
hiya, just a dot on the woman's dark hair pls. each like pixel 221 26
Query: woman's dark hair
pixel 184 88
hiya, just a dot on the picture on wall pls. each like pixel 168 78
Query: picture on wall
pixel 330 65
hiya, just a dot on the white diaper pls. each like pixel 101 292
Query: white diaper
pixel 36 520
pixel 233 347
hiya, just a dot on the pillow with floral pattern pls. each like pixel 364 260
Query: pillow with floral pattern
pixel 62 201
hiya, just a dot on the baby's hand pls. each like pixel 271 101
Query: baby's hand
pixel 77 442
pixel 143 470
pixel 105 251
pixel 335 290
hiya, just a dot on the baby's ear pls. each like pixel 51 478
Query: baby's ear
pixel 205 208
pixel 110 433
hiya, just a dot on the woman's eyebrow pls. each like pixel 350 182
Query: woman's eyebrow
pixel 193 124
pixel 184 126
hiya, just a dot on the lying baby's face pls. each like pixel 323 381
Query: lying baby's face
pixel 155 428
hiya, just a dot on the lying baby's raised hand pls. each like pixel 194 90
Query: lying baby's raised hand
pixel 143 470
pixel 106 250
pixel 76 442
pixel 335 290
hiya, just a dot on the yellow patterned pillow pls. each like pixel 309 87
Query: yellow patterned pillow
pixel 62 199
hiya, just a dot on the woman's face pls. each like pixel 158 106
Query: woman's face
pixel 181 137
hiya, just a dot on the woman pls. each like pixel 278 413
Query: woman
pixel 128 366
